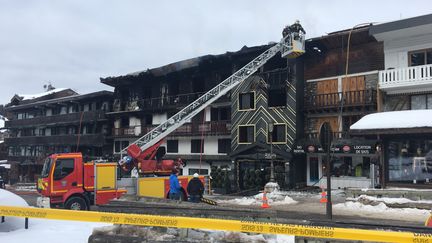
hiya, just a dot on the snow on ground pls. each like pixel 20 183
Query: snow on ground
pixel 389 200
pixel 25 188
pixel 276 198
pixel 382 211
pixel 9 199
pixel 50 231
pixel 12 230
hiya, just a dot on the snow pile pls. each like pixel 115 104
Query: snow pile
pixel 276 197
pixel 389 200
pixel 189 235
pixel 381 210
pixel 395 119
pixel 26 188
pixel 34 96
pixel 9 199
pixel 52 231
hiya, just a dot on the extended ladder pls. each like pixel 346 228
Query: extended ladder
pixel 291 46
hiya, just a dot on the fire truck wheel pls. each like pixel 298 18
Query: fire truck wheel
pixel 76 203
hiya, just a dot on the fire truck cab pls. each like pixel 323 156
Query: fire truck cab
pixel 67 181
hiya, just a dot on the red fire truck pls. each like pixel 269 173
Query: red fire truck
pixel 68 182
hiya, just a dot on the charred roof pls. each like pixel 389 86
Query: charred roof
pixel 339 39
pixel 180 66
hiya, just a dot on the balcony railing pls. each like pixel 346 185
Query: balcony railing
pixel 188 129
pixel 72 139
pixel 159 102
pixel 349 99
pixel 404 79
pixel 127 131
pixel 57 119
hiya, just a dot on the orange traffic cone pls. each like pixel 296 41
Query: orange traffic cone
pixel 265 201
pixel 429 221
pixel 323 197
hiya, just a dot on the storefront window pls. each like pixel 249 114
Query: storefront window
pixel 313 169
pixel 356 166
pixel 410 161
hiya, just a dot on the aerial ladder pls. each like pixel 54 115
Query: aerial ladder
pixel 141 153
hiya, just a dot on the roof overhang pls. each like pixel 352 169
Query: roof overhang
pixel 420 25
pixel 394 122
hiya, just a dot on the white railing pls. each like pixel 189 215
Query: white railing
pixel 405 77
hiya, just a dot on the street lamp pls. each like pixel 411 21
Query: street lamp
pixel 272 184
pixel 270 128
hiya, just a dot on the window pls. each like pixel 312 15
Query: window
pixel 172 146
pixel 419 102
pixel 199 171
pixel 224 146
pixel 196 146
pixel 117 146
pixel 247 101
pixel 278 135
pixel 277 98
pixel 409 160
pixel 220 114
pixel 246 133
pixel 63 167
pixel 120 145
pixel 421 57
pixel 313 169
pixel 350 166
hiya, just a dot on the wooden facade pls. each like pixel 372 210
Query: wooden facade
pixel 46 125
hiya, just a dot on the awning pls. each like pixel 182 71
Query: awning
pixel 354 146
pixel 394 120
pixel 308 145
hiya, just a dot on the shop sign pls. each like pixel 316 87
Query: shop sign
pixel 346 149
pixel 269 155
pixel 311 149
pixel 353 149
pixel 299 150
pixel 363 149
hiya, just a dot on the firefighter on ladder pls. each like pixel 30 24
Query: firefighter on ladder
pixel 294 30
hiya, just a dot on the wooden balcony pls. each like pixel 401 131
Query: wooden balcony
pixel 409 79
pixel 335 135
pixel 168 102
pixel 188 129
pixel 347 101
pixel 72 139
pixel 71 118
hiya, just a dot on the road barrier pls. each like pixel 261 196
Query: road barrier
pixel 218 224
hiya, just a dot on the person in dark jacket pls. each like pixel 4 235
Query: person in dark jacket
pixel 195 189
pixel 175 188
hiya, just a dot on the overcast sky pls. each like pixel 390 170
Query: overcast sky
pixel 73 43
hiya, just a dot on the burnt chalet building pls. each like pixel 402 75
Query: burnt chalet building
pixel 55 122
pixel 339 92
pixel 144 99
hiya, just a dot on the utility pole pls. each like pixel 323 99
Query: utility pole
pixel 325 138
pixel 329 212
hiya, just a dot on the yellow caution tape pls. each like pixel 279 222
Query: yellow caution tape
pixel 218 224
